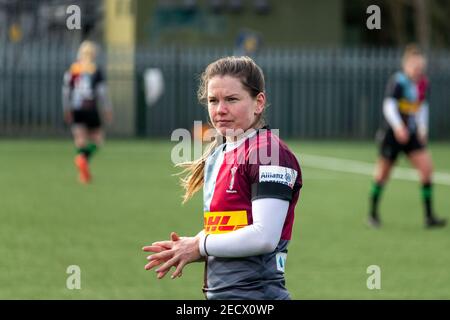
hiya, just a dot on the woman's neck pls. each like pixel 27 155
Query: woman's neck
pixel 237 138
pixel 257 124
pixel 409 76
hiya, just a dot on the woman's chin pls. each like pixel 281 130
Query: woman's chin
pixel 225 131
pixel 229 131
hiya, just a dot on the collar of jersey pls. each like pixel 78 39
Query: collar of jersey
pixel 228 146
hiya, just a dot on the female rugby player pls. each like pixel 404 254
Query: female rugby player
pixel 84 93
pixel 405 109
pixel 251 183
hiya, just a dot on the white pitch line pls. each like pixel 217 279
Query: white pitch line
pixel 365 168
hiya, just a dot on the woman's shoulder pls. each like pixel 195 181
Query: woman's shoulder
pixel 75 68
pixel 397 76
pixel 267 137
pixel 91 68
pixel 267 142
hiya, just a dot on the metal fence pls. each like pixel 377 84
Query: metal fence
pixel 31 77
pixel 313 93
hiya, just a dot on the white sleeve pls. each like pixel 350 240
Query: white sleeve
pixel 201 234
pixel 391 113
pixel 422 118
pixel 263 236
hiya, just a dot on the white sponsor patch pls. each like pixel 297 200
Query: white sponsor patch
pixel 281 261
pixel 278 174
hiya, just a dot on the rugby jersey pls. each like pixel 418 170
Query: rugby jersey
pixel 409 96
pixel 260 165
pixel 81 86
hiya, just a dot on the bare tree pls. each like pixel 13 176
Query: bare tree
pixel 397 13
pixel 422 22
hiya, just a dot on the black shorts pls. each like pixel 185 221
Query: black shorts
pixel 390 147
pixel 88 118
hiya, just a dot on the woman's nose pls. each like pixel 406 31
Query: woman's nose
pixel 221 107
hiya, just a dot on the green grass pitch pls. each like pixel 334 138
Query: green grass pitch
pixel 48 222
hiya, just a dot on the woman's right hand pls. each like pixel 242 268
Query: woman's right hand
pixel 401 135
pixel 177 252
pixel 158 247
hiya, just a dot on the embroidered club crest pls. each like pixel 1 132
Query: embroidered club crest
pixel 233 173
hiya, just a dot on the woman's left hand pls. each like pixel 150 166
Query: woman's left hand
pixel 423 138
pixel 178 252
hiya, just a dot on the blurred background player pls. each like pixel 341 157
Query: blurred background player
pixel 405 110
pixel 84 93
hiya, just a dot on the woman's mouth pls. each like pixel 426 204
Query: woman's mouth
pixel 222 122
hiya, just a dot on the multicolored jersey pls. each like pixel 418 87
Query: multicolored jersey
pixel 409 96
pixel 258 166
pixel 82 87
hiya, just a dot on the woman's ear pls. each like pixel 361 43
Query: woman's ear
pixel 260 103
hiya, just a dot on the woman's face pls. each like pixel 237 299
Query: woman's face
pixel 414 67
pixel 231 108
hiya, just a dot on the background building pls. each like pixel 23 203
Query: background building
pixel 300 43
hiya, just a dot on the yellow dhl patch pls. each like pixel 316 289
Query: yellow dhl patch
pixel 408 107
pixel 224 221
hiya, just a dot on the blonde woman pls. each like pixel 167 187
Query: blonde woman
pixel 84 94
pixel 251 184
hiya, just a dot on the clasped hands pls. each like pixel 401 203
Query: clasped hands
pixel 176 252
pixel 402 135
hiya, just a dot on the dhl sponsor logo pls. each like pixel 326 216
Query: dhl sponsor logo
pixel 225 221
pixel 408 107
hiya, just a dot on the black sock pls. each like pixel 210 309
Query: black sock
pixel 375 194
pixel 427 193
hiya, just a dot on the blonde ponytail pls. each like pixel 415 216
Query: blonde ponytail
pixel 194 171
